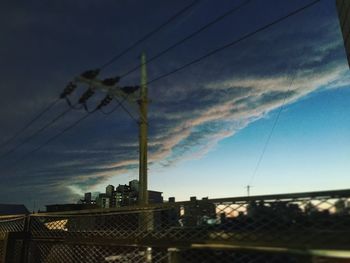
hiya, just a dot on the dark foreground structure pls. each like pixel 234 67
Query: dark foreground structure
pixel 303 227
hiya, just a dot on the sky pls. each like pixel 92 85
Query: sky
pixel 271 111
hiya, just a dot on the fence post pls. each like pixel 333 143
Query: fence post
pixel 13 247
pixel 173 255
pixel 6 245
pixel 26 240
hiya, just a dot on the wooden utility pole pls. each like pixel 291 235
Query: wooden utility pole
pixel 143 133
pixel 110 86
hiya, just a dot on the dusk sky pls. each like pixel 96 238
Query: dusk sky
pixel 283 92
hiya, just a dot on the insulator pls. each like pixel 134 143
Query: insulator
pixel 71 87
pixel 86 96
pixel 105 101
pixel 111 81
pixel 130 89
pixel 90 74
pixel 68 90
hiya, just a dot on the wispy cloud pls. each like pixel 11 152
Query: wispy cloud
pixel 190 112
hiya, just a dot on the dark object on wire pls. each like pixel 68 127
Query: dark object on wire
pixel 111 81
pixel 105 102
pixel 130 89
pixel 90 74
pixel 87 95
pixel 68 90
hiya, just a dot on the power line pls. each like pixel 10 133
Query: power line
pixel 274 125
pixel 272 129
pixel 20 131
pixel 112 60
pixel 109 112
pixel 120 104
pixel 71 105
pixel 56 136
pixel 67 91
pixel 127 111
pixel 114 108
pixel 231 11
pixel 148 35
pixel 169 73
pixel 216 20
pixel 47 125
pixel 70 88
pixel 193 34
pixel 69 128
pixel 228 45
pixel 59 117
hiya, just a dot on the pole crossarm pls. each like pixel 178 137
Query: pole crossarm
pixel 114 91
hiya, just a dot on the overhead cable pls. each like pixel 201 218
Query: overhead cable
pixel 31 122
pixel 235 42
pixel 149 34
pixel 47 125
pixel 193 34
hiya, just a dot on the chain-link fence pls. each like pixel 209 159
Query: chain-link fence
pixel 12 229
pixel 278 228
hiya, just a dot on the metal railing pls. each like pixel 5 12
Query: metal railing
pixel 270 228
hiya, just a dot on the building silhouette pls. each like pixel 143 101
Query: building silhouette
pixel 122 195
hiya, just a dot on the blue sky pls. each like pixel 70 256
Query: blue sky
pixel 208 123
pixel 308 151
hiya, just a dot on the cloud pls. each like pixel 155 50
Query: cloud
pixel 190 111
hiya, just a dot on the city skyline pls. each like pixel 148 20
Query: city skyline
pixel 271 112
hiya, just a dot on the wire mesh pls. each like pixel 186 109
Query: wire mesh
pixel 121 225
pixel 207 230
pixel 52 252
pixel 14 254
pixel 227 256
pixel 11 224
pixel 1 250
pixel 312 222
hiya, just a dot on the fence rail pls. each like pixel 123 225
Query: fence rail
pixel 271 228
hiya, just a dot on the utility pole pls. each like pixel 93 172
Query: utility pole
pixel 143 133
pixel 111 87
pixel 146 218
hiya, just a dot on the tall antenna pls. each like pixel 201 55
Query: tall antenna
pixel 248 189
